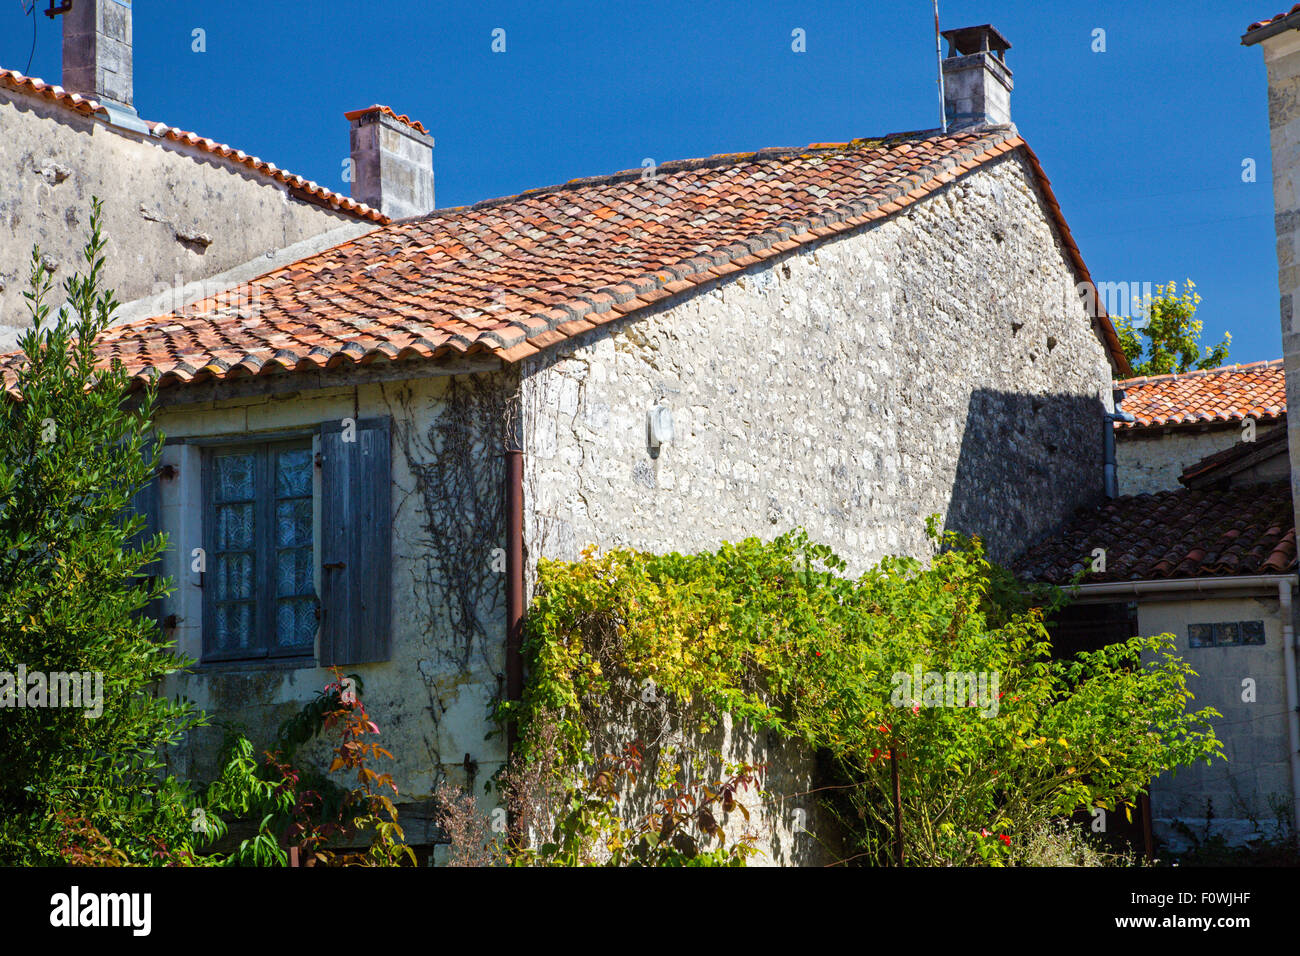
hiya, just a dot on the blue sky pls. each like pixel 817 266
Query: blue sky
pixel 1144 143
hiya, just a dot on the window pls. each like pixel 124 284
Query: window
pixel 1225 634
pixel 259 596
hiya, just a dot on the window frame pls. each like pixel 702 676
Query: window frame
pixel 264 500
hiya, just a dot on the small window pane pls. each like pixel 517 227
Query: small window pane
pixel 1227 633
pixel 234 627
pixel 293 572
pixel 295 621
pixel 1252 632
pixel 293 523
pixel 235 477
pixel 235 527
pixel 1200 635
pixel 234 576
pixel 293 473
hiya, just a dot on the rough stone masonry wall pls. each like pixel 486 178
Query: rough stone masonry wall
pixel 1282 56
pixel 1151 459
pixel 928 364
pixel 169 209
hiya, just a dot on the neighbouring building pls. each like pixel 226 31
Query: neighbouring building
pixel 1200 543
pixel 1279 39
pixel 847 337
pixel 1180 419
pixel 185 216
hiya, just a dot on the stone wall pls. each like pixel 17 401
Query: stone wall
pixel 1282 56
pixel 923 365
pixel 1151 459
pixel 927 364
pixel 169 209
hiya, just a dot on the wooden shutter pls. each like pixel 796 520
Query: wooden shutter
pixel 145 503
pixel 356 543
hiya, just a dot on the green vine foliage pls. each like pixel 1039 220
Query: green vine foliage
pixel 776 635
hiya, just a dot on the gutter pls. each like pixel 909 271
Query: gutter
pixel 1217 586
pixel 1291 22
pixel 1110 470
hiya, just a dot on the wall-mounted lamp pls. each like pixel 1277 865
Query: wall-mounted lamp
pixel 659 427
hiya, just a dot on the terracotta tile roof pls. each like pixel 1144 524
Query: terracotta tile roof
pixel 30 84
pixel 304 188
pixel 1223 464
pixel 1260 24
pixel 1173 534
pixel 1226 394
pixel 387 111
pixel 510 277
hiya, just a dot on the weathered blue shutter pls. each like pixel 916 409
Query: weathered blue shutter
pixel 356 542
pixel 145 503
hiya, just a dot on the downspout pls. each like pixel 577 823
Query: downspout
pixel 514 584
pixel 1110 469
pixel 1292 705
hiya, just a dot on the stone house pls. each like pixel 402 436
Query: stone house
pixel 847 337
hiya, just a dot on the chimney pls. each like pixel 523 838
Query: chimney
pixel 976 81
pixel 97 51
pixel 392 160
pixel 97 57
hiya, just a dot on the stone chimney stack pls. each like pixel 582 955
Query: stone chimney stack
pixel 977 83
pixel 392 162
pixel 97 52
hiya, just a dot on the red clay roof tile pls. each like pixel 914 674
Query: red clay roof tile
pixel 1173 534
pixel 1227 394
pixel 1260 24
pixel 387 111
pixel 474 279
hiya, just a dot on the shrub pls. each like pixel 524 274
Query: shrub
pixel 775 635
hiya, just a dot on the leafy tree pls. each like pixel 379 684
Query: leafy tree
pixel 1168 334
pixel 74 580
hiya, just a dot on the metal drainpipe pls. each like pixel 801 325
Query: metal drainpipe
pixel 514 584
pixel 1293 706
pixel 1110 469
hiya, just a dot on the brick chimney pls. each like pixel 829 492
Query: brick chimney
pixel 977 83
pixel 392 158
